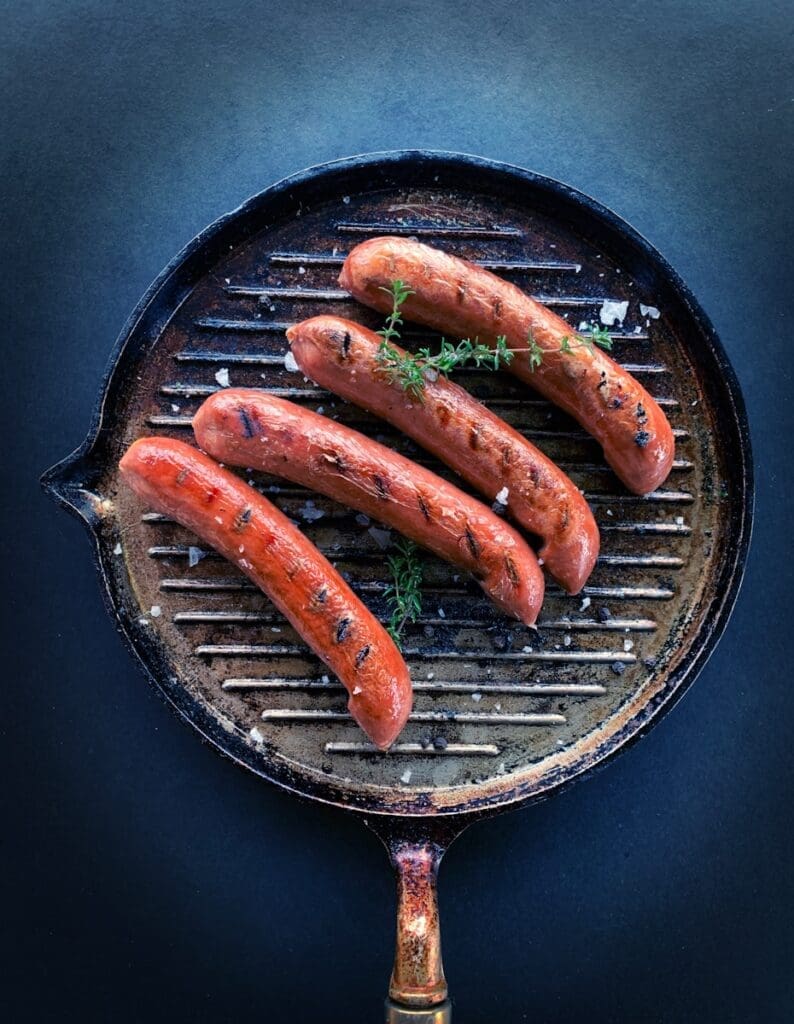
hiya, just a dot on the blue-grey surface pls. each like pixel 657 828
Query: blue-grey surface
pixel 148 880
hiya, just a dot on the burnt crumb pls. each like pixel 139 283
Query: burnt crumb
pixel 440 743
pixel 615 403
pixel 429 632
pixel 603 382
pixel 604 614
pixel 650 662
pixel 381 485
pixel 641 414
pixel 346 344
pixel 534 475
pixel 641 438
pixel 426 740
pixel 342 629
pixel 362 656
pixel 502 641
pixel 618 668
pixel 474 546
pixel 321 595
pixel 512 571
pixel 423 506
pixel 328 769
pixel 245 419
pixel 181 477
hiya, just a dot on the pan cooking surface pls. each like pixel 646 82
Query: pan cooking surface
pixel 496 704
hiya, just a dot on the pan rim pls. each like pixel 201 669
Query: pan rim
pixel 61 483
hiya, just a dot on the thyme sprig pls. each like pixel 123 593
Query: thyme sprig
pixel 404 594
pixel 411 372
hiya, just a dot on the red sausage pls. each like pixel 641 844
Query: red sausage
pixel 252 533
pixel 494 458
pixel 453 295
pixel 251 428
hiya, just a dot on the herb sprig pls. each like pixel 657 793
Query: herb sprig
pixel 404 592
pixel 412 371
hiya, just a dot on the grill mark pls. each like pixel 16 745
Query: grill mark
pixel 496 306
pixel 342 629
pixel 336 461
pixel 474 546
pixel 346 344
pixel 362 656
pixel 181 477
pixel 474 437
pixel 423 506
pixel 507 454
pixel 242 520
pixel 245 419
pixel 512 571
pixel 382 485
pixel 442 415
pixel 565 518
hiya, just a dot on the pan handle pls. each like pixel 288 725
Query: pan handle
pixel 418 988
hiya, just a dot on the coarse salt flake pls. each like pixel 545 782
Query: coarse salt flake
pixel 289 362
pixel 441 613
pixel 476 697
pixel 585 604
pixel 527 650
pixel 356 691
pixel 566 640
pixel 194 556
pixel 117 549
pixel 222 377
pixel 613 312
pixel 406 776
pixel 256 735
pixel 627 645
pixel 650 311
pixel 502 496
pixel 155 611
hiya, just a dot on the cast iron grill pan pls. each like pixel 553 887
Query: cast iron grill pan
pixel 501 713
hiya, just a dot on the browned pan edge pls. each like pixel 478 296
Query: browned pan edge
pixel 72 482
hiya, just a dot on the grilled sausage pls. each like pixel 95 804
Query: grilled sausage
pixel 453 295
pixel 250 428
pixel 252 533
pixel 448 421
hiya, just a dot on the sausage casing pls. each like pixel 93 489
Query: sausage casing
pixel 251 532
pixel 246 427
pixel 453 295
pixel 342 356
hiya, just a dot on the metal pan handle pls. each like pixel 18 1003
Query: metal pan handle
pixel 418 988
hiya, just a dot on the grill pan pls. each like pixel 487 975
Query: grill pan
pixel 502 715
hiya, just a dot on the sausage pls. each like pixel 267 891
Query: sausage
pixel 250 428
pixel 342 356
pixel 244 527
pixel 453 295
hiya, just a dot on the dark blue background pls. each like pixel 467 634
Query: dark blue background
pixel 148 880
